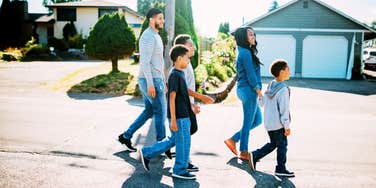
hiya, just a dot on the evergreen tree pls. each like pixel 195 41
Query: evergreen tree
pixel 224 28
pixel 143 6
pixel 110 39
pixel 184 24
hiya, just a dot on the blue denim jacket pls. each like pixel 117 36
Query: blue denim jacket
pixel 248 72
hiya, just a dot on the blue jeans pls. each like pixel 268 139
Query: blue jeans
pixel 182 139
pixel 154 107
pixel 252 116
pixel 277 140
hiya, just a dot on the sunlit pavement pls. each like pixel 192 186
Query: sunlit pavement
pixel 51 139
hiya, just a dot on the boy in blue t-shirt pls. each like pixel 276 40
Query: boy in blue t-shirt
pixel 178 110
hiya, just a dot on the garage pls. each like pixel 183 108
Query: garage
pixel 325 57
pixel 329 46
pixel 269 51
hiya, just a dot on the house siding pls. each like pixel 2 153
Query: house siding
pixel 87 18
pixel 315 16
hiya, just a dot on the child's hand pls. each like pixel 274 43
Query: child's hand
pixel 287 132
pixel 258 91
pixel 195 108
pixel 174 126
pixel 207 100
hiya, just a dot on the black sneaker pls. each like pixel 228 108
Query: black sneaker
pixel 192 168
pixel 284 173
pixel 144 161
pixel 169 154
pixel 187 176
pixel 252 162
pixel 127 142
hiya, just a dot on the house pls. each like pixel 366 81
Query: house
pixel 84 15
pixel 316 39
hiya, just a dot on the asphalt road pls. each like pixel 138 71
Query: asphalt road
pixel 52 139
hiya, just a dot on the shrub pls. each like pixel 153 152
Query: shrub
pixel 110 39
pixel 76 41
pixel 229 71
pixel 8 57
pixel 58 44
pixel 35 52
pixel 201 74
pixel 220 72
pixel 69 30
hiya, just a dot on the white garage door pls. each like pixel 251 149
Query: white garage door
pixel 324 57
pixel 271 47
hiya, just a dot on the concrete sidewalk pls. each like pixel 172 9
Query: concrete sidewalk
pixel 50 139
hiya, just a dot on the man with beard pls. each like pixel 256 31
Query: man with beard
pixel 151 80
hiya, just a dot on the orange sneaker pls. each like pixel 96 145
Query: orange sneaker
pixel 244 156
pixel 231 144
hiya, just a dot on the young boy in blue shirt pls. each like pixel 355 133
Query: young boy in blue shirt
pixel 178 110
pixel 276 102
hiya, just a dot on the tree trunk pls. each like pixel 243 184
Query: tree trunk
pixel 114 61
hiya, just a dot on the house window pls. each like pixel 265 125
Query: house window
pixel 50 32
pixel 305 4
pixel 101 12
pixel 66 14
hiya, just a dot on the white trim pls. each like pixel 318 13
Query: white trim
pixel 308 30
pixel 350 64
pixel 361 55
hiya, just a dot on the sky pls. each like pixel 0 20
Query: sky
pixel 208 14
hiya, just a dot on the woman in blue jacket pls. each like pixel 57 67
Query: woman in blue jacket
pixel 248 89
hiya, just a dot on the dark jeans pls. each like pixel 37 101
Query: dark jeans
pixel 277 140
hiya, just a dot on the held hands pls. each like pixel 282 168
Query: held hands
pixel 195 108
pixel 207 100
pixel 151 91
pixel 259 94
pixel 174 126
pixel 287 132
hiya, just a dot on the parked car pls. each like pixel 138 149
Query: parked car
pixel 369 52
pixel 369 56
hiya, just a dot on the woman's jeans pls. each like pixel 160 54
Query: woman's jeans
pixel 154 107
pixel 251 116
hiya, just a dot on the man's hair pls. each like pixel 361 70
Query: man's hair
pixel 178 50
pixel 152 12
pixel 277 66
pixel 181 39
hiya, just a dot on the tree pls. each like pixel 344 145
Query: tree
pixel 274 5
pixel 184 25
pixel 15 30
pixel 69 30
pixel 143 6
pixel 110 39
pixel 224 28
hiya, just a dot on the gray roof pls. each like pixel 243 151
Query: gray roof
pixel 93 4
pixel 45 19
pixel 362 25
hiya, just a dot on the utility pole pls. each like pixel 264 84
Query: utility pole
pixel 170 29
